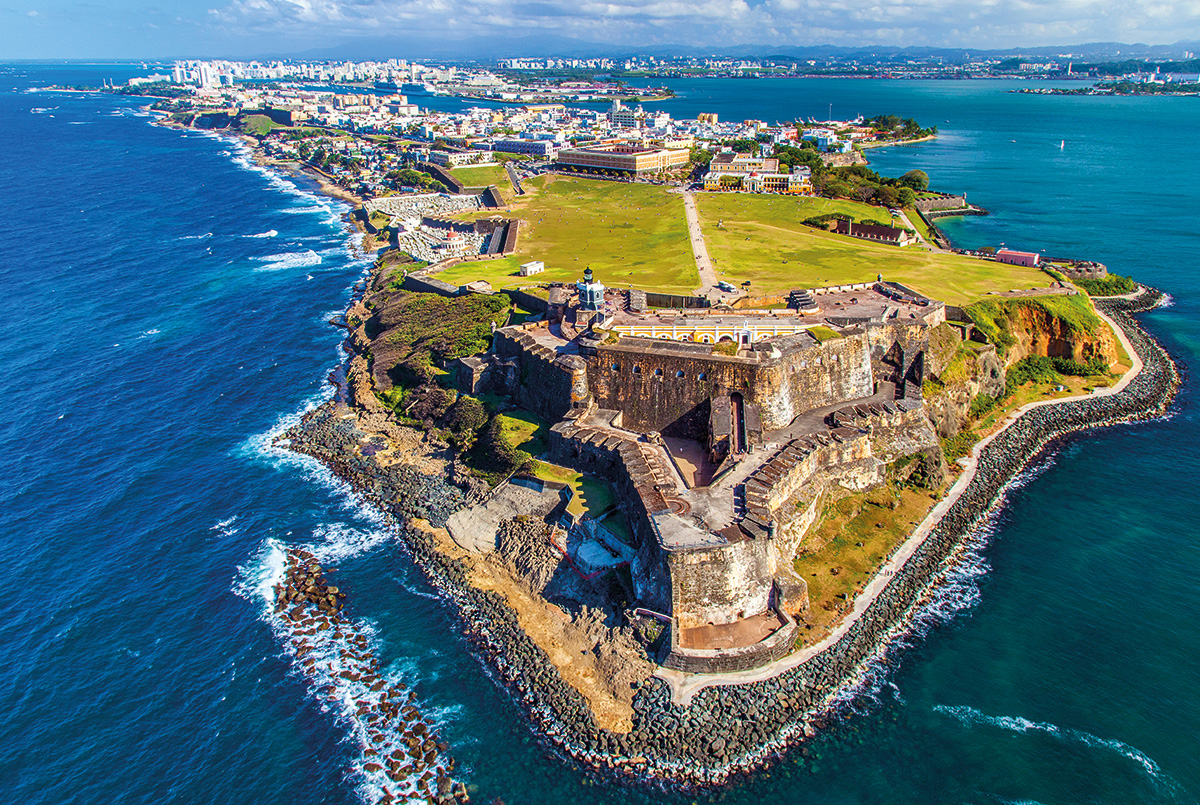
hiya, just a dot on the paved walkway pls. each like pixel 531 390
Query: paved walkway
pixel 685 686
pixel 908 224
pixel 703 265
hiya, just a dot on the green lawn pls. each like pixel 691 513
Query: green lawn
pixel 628 233
pixel 593 496
pixel 762 240
pixel 525 431
pixel 501 273
pixel 482 176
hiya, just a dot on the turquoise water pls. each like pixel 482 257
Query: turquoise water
pixel 157 333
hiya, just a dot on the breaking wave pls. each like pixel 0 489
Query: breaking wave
pixel 969 716
pixel 285 260
pixel 396 752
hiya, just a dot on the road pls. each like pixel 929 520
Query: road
pixel 933 247
pixel 708 277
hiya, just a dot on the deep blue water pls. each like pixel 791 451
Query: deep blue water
pixel 153 343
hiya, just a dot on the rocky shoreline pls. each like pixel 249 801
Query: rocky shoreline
pixel 728 730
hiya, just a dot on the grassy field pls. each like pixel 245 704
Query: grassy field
pixel 761 239
pixel 628 234
pixel 482 176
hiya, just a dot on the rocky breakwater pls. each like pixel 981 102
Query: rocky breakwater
pixel 414 501
pixel 401 756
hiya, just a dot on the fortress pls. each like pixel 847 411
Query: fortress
pixel 724 432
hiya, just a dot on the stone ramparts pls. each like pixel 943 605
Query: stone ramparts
pixel 732 660
pixel 657 386
pixel 796 464
pixel 547 383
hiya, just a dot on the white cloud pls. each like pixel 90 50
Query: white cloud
pixel 979 23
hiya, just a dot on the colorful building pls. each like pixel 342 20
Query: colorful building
pixel 1015 258
pixel 625 157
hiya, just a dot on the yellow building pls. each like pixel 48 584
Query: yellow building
pixel 714 329
pixel 625 157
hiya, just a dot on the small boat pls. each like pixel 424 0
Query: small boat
pixel 1062 145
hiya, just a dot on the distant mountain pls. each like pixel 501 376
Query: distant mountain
pixel 488 49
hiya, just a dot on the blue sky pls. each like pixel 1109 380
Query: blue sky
pixel 148 29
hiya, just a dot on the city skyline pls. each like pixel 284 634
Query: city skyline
pixel 255 28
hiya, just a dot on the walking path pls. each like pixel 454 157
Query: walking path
pixel 920 237
pixel 685 686
pixel 703 265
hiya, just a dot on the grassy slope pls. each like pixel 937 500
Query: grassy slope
pixel 526 431
pixel 834 563
pixel 759 233
pixel 593 495
pixel 259 125
pixel 627 233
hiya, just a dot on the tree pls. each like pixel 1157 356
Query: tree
pixel 918 180
pixel 743 146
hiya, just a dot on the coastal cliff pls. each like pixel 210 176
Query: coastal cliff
pixel 971 361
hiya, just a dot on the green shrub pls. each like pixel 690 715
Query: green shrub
pixel 982 404
pixel 493 455
pixel 464 419
pixel 1040 369
pixel 823 221
pixel 959 445
pixel 1112 285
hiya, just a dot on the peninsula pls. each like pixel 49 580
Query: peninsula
pixel 688 440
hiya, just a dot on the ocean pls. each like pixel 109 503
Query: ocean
pixel 166 308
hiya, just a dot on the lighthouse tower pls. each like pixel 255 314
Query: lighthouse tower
pixel 591 293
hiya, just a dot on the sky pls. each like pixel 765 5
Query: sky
pixel 146 29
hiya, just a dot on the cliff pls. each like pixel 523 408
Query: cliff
pixel 1052 326
pixel 959 370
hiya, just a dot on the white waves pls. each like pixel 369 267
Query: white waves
pixel 337 657
pixel 270 233
pixel 337 542
pixel 969 716
pixel 285 260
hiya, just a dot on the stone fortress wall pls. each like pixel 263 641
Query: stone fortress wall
pixel 655 383
pixel 721 573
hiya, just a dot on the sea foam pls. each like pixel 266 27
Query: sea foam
pixel 285 260
pixel 969 716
